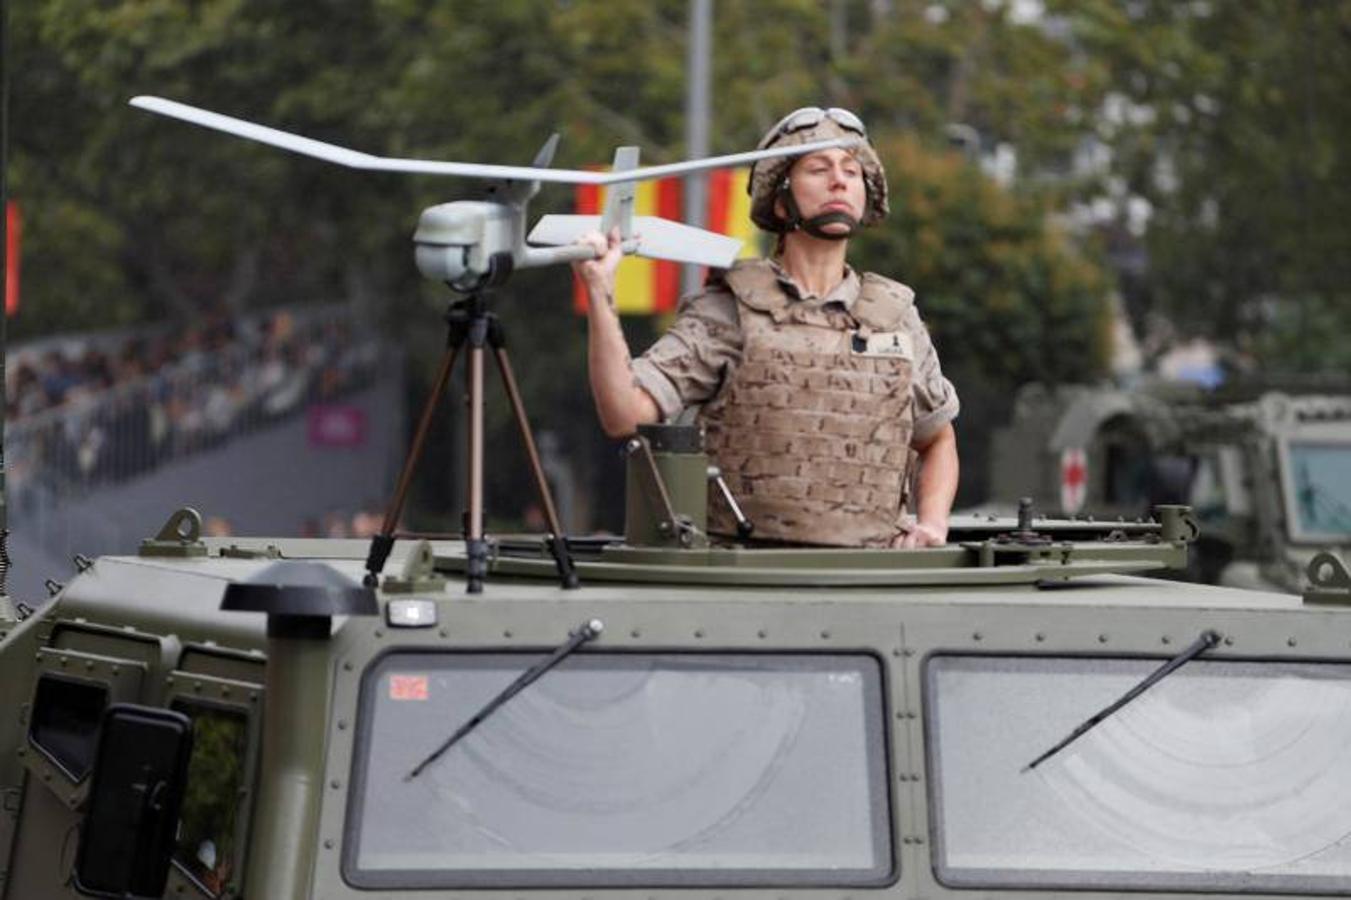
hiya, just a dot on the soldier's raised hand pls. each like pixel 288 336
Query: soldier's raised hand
pixel 599 274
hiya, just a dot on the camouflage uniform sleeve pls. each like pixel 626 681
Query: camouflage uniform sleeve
pixel 688 364
pixel 936 402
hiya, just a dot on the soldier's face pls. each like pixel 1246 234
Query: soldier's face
pixel 829 181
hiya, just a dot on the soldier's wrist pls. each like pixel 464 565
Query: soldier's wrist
pixel 602 295
pixel 937 527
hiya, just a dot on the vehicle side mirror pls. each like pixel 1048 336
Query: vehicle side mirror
pixel 129 832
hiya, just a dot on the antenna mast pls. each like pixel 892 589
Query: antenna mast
pixel 697 78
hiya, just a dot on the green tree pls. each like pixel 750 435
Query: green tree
pixel 997 283
pixel 1230 118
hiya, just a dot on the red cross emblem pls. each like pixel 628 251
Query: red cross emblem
pixel 1073 480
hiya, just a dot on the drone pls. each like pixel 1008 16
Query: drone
pixel 464 242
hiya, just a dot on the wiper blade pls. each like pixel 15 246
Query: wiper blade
pixel 1206 641
pixel 587 632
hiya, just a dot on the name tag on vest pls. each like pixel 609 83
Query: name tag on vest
pixel 884 343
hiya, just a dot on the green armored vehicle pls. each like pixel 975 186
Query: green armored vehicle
pixel 1268 473
pixel 1015 714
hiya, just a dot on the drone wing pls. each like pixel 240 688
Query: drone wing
pixel 654 237
pixel 358 160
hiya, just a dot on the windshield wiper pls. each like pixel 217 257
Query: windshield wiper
pixel 1206 641
pixel 587 632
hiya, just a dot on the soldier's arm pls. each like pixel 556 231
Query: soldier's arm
pixel 937 488
pixel 621 403
pixel 935 442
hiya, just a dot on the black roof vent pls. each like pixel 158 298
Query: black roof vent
pixel 300 598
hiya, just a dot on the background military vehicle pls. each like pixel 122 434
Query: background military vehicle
pixel 229 717
pixel 1268 472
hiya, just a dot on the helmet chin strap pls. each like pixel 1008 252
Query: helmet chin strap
pixel 815 226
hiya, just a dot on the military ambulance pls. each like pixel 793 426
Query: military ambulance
pixel 1268 472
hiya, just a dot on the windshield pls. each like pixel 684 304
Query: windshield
pixel 1321 481
pixel 622 769
pixel 1225 775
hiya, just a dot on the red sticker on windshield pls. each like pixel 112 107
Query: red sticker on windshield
pixel 408 687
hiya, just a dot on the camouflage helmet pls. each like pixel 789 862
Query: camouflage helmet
pixel 802 126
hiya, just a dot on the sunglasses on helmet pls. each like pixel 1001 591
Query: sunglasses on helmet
pixel 810 117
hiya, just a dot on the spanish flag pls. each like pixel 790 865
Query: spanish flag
pixel 652 286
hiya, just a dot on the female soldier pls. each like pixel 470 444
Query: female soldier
pixel 818 388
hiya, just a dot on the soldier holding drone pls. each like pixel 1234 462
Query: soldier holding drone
pixel 818 388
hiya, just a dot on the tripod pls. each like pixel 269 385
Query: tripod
pixel 468 321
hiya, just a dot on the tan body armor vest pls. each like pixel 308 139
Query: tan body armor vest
pixel 812 431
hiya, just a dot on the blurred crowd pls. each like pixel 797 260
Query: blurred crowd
pixel 336 523
pixel 104 408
